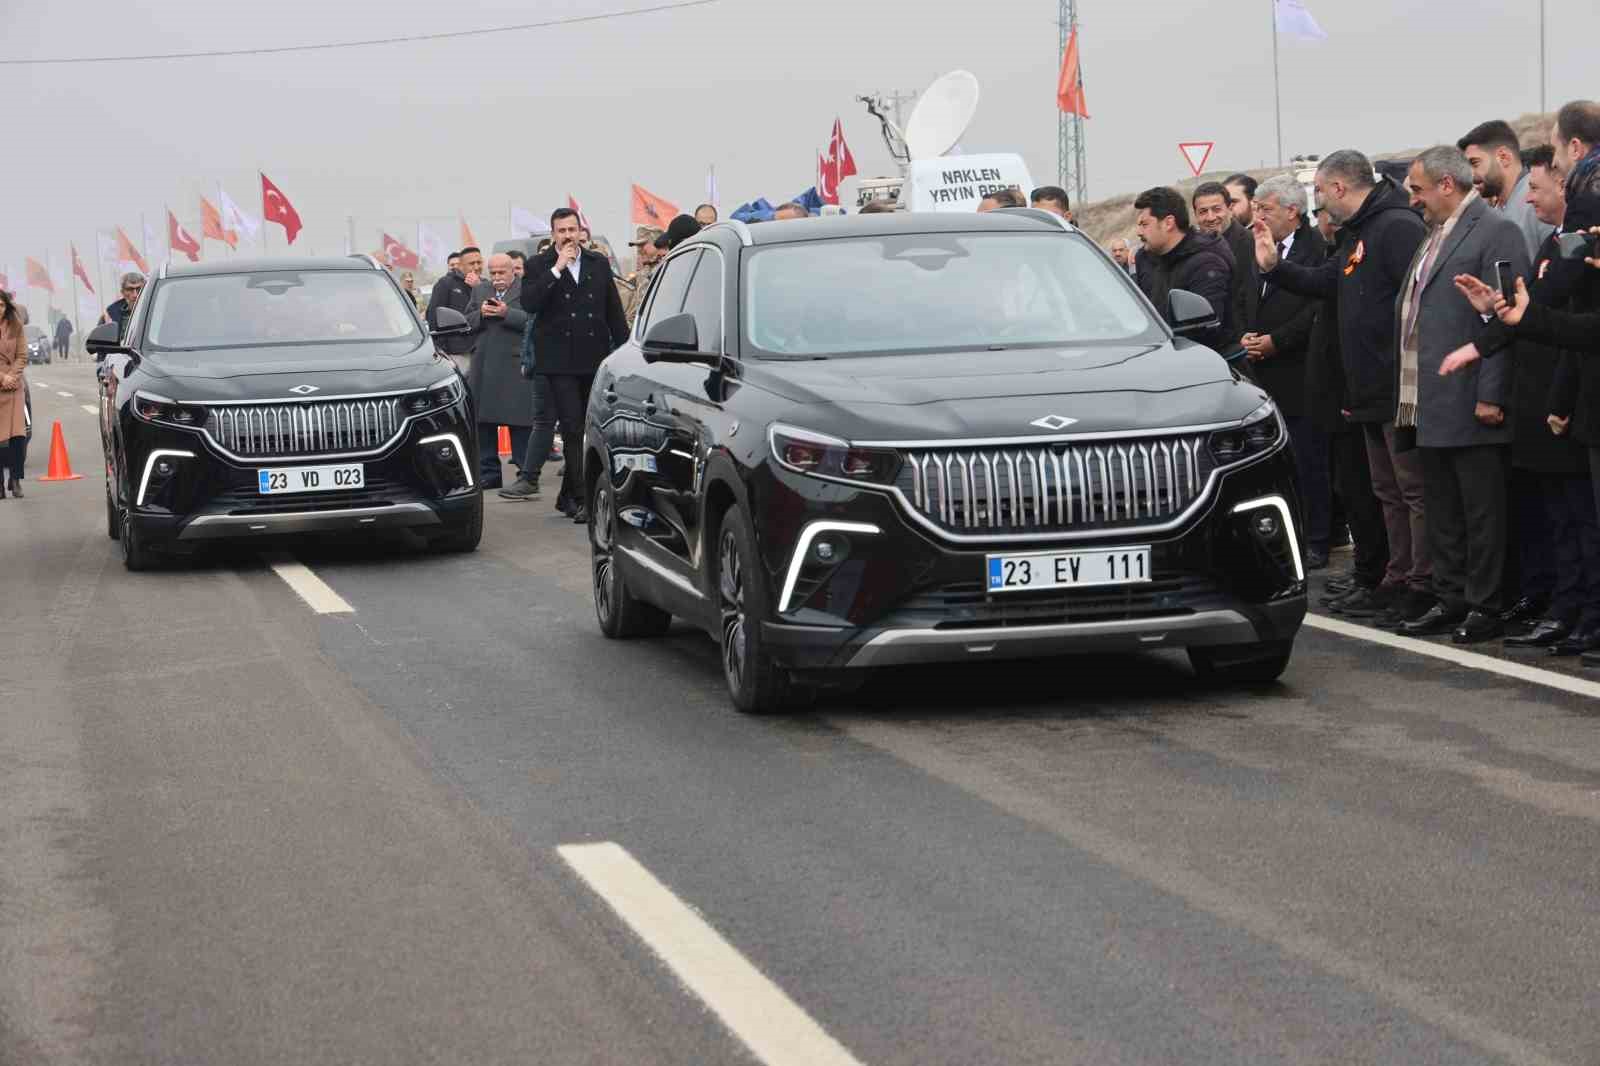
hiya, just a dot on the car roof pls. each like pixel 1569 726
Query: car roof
pixel 282 262
pixel 828 227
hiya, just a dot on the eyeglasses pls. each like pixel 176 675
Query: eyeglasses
pixel 133 288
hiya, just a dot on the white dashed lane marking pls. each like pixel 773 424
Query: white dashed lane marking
pixel 1516 671
pixel 775 1028
pixel 317 593
pixel 65 395
pixel 91 408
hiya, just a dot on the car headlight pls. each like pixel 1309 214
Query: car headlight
pixel 1260 432
pixel 820 455
pixel 443 394
pixel 159 409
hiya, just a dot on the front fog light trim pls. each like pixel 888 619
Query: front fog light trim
pixel 1281 505
pixel 802 547
pixel 461 455
pixel 150 465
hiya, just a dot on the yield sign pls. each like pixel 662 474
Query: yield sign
pixel 1196 153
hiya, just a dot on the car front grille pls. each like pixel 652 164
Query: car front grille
pixel 322 427
pixel 1052 487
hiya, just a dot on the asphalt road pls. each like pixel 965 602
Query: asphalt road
pixel 447 822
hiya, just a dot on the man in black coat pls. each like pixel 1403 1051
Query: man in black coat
pixel 454 291
pixel 1181 258
pixel 1380 235
pixel 579 321
pixel 1215 211
pixel 1276 332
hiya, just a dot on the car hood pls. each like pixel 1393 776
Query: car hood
pixel 1002 394
pixel 270 373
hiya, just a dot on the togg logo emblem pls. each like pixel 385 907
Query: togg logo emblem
pixel 303 390
pixel 1053 422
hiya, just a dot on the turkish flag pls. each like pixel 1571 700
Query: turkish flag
pixel 583 219
pixel 651 210
pixel 467 239
pixel 275 207
pixel 38 276
pixel 77 268
pixel 841 153
pixel 181 240
pixel 127 253
pixel 828 179
pixel 211 225
pixel 397 254
pixel 1069 90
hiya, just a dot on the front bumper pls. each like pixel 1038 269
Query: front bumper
pixel 900 595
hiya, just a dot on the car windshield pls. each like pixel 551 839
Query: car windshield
pixel 274 307
pixel 945 291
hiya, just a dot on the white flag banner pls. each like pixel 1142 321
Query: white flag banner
pixel 525 223
pixel 711 189
pixel 235 218
pixel 88 310
pixel 155 248
pixel 431 248
pixel 1293 20
pixel 108 250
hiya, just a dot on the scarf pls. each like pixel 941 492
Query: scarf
pixel 1410 347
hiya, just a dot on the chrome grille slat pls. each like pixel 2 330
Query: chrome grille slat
pixel 1009 489
pixel 333 427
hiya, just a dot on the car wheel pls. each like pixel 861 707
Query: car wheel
pixel 1243 664
pixel 620 613
pixel 136 553
pixel 465 539
pixel 113 517
pixel 756 684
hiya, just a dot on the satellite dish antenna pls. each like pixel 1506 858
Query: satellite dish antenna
pixel 942 115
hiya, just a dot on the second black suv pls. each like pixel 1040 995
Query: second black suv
pixel 845 443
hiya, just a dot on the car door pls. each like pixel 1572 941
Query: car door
pixel 633 427
pixel 689 397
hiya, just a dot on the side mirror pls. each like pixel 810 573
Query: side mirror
pixel 105 339
pixel 675 339
pixel 1190 313
pixel 450 323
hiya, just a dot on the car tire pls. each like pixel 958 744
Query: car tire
pixel 1243 664
pixel 465 539
pixel 136 553
pixel 756 684
pixel 113 517
pixel 621 614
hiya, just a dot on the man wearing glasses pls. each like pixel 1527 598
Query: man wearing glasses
pixel 132 286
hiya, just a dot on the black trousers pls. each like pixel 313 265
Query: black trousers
pixel 14 456
pixel 1464 492
pixel 559 398
pixel 1352 480
pixel 489 450
pixel 1316 485
pixel 1531 558
pixel 1574 527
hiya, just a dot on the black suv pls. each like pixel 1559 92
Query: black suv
pixel 847 443
pixel 255 397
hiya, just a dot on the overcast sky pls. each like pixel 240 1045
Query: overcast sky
pixel 394 133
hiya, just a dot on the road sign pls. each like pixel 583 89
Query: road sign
pixel 1195 153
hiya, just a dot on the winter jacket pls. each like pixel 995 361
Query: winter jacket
pixel 1202 264
pixel 579 323
pixel 1376 247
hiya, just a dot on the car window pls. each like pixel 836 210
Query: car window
pixel 921 292
pixel 223 311
pixel 670 287
pixel 704 301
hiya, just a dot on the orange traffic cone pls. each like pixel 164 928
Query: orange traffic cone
pixel 60 465
pixel 505 442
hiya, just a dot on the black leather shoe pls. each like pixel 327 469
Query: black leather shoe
pixel 1590 658
pixel 1544 633
pixel 1585 640
pixel 1316 560
pixel 1524 610
pixel 1478 627
pixel 581 516
pixel 1434 621
pixel 1366 603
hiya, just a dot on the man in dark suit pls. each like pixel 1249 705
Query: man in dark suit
pixel 1458 422
pixel 1277 332
pixel 500 394
pixel 579 322
pixel 454 291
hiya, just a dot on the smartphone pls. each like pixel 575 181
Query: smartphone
pixel 1507 280
pixel 1576 246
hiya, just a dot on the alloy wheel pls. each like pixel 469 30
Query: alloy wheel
pixel 730 583
pixel 605 574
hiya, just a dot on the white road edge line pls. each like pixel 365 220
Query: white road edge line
pixel 774 1027
pixel 64 395
pixel 91 408
pixel 1516 671
pixel 317 593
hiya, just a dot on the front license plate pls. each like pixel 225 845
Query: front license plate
pixel 1054 570
pixel 310 479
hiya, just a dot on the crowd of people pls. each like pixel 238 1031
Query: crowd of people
pixel 1422 332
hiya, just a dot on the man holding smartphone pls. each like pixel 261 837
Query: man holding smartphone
pixel 501 395
pixel 580 321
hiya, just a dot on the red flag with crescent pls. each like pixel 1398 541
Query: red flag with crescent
pixel 275 207
pixel 397 254
pixel 181 240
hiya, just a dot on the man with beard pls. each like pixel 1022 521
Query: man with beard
pixel 1242 187
pixel 454 290
pixel 1495 155
pixel 1214 212
pixel 1181 258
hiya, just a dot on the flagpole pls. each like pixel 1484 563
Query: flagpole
pixel 1277 88
pixel 74 280
pixel 1542 79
